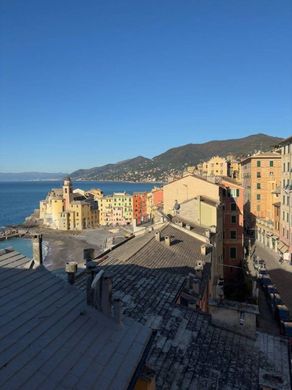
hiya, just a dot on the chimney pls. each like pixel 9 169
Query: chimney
pixel 203 250
pixel 94 292
pixel 106 294
pixel 157 236
pixel 167 240
pixel 91 270
pixel 71 269
pixel 88 254
pixel 213 229
pixel 37 249
pixel 118 311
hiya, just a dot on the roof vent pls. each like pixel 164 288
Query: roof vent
pixel 199 265
pixel 157 236
pixel 167 240
pixel 204 250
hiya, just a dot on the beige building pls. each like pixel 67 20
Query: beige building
pixel 216 166
pixel 261 175
pixel 286 196
pixel 186 188
pixel 196 202
pixel 65 209
pixel 116 209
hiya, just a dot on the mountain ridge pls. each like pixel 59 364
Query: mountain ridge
pixel 174 160
pixel 31 176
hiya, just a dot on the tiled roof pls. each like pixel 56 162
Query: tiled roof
pixel 187 352
pixel 49 337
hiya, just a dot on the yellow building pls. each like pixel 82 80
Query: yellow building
pixel 235 170
pixel 116 209
pixel 65 209
pixel 216 166
pixel 261 176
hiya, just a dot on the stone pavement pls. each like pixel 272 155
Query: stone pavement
pixel 281 274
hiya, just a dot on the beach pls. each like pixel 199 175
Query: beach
pixel 62 246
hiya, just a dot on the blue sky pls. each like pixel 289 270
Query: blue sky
pixel 83 84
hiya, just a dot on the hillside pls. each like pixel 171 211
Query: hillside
pixel 192 154
pixel 174 160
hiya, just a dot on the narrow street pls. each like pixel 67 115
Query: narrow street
pixel 281 275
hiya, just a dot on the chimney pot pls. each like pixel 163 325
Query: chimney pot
pixel 37 249
pixel 106 294
pixel 71 269
pixel 167 240
pixel 158 236
pixel 88 254
pixel 203 250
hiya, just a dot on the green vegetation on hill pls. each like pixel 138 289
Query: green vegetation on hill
pixel 174 160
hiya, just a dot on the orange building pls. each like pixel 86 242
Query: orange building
pixel 157 197
pixel 140 207
pixel 261 175
pixel 261 178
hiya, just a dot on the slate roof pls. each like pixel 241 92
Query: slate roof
pixel 50 339
pixel 187 351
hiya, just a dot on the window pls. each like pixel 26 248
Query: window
pixel 283 199
pixel 233 253
pixel 234 192
pixel 233 234
pixel 233 218
pixel 258 207
pixel 271 163
pixel 258 163
pixel 258 186
pixel 258 174
pixel 284 167
pixel 233 206
pixel 258 197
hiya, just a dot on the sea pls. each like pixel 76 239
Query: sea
pixel 18 200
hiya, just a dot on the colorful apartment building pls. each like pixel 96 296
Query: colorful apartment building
pixel 65 209
pixel 261 176
pixel 235 170
pixel 286 196
pixel 216 166
pixel 140 213
pixel 116 209
pixel 212 204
